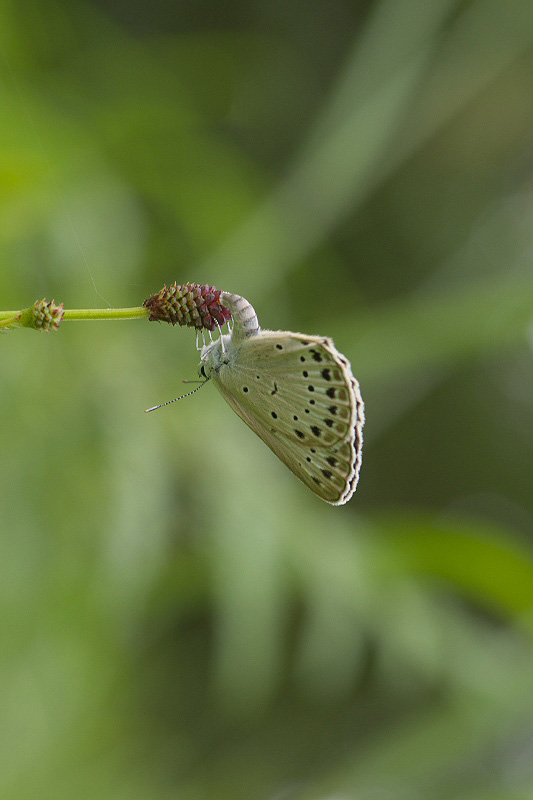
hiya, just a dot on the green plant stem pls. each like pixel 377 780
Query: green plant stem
pixel 137 312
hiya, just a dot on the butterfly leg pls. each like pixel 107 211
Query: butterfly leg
pixel 221 339
pixel 198 334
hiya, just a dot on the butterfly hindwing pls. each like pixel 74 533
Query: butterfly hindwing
pixel 297 393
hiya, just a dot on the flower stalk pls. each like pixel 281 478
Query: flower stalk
pixel 32 317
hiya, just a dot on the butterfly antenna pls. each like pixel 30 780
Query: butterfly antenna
pixel 177 398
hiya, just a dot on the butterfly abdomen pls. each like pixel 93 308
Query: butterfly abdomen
pixel 245 322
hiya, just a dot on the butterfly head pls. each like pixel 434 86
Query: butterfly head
pixel 214 355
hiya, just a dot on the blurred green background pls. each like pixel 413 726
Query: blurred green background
pixel 180 617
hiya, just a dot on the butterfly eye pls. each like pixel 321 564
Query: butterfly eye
pixel 201 372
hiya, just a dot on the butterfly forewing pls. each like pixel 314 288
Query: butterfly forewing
pixel 297 393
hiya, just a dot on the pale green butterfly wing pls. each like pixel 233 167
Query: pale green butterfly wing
pixel 298 394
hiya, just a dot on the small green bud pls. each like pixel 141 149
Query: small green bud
pixel 47 316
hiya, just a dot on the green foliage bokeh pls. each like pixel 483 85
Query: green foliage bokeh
pixel 180 618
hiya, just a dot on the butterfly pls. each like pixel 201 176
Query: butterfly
pixel 297 393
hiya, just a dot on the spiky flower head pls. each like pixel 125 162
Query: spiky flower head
pixel 46 316
pixel 188 304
